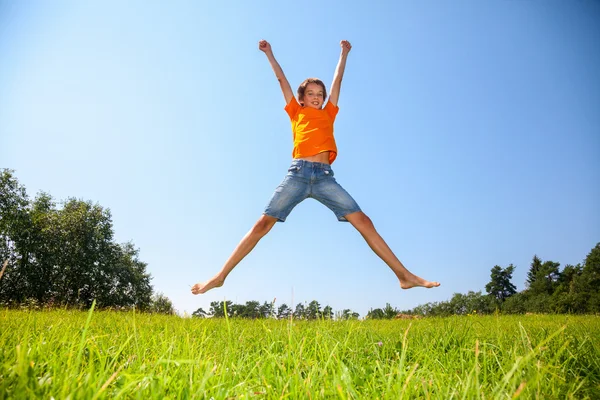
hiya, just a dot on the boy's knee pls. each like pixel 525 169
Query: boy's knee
pixel 361 221
pixel 263 225
pixel 366 221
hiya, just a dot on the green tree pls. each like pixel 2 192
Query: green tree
pixel 472 303
pixel 252 309
pixel 534 268
pixel 217 309
pixel 459 304
pixel 500 287
pixel 199 313
pixel 564 298
pixel 516 304
pixel 161 304
pixel 348 314
pixel 585 286
pixel 267 310
pixel 542 277
pixel 283 311
pixel 422 309
pixel 376 314
pixel 14 214
pixel 327 312
pixel 591 276
pixel 300 311
pixel 65 255
pixel 122 280
pixel 314 310
pixel 389 311
pixel 17 241
pixel 238 310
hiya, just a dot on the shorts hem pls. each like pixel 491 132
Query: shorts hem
pixel 279 219
pixel 342 218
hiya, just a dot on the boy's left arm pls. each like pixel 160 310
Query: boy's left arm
pixel 334 94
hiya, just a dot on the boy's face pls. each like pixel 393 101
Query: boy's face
pixel 313 96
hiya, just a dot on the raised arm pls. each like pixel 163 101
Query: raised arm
pixel 265 47
pixel 334 93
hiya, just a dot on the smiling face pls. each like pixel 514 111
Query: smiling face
pixel 312 93
pixel 313 96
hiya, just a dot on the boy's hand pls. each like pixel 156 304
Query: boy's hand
pixel 346 47
pixel 264 46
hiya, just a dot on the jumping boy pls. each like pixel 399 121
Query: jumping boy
pixel 310 174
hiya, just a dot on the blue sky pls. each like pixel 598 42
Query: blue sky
pixel 468 131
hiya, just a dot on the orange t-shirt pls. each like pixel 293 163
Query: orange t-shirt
pixel 312 129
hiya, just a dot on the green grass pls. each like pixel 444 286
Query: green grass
pixel 91 355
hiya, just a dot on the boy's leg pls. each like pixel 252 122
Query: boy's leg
pixel 288 195
pixel 260 229
pixel 338 200
pixel 366 228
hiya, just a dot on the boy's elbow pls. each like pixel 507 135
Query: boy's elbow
pixel 282 81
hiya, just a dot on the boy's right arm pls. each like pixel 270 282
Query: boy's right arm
pixel 288 94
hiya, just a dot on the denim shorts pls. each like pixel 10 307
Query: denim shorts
pixel 310 179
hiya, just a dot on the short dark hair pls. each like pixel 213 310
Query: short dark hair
pixel 303 85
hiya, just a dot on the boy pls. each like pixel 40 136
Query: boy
pixel 310 174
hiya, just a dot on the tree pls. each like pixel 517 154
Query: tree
pixel 327 312
pixel 85 264
pixel 67 255
pixel 161 304
pixel 300 311
pixel 536 265
pixel 591 275
pixel 217 308
pixel 122 280
pixel 459 304
pixel 376 314
pixel 585 286
pixel 199 313
pixel 567 276
pixel 472 302
pixel 516 304
pixel 17 239
pixel 348 314
pixel 542 277
pixel 564 298
pixel 500 286
pixel 252 309
pixel 283 311
pixel 314 310
pixel 238 310
pixel 542 281
pixel 131 280
pixel 267 310
pixel 14 218
pixel 389 311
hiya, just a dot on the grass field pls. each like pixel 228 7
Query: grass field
pixel 87 355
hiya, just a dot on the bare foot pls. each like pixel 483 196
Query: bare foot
pixel 200 288
pixel 415 281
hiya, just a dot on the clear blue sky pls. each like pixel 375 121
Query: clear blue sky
pixel 469 132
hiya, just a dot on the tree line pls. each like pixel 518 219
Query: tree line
pixel 254 310
pixel 67 255
pixel 574 289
